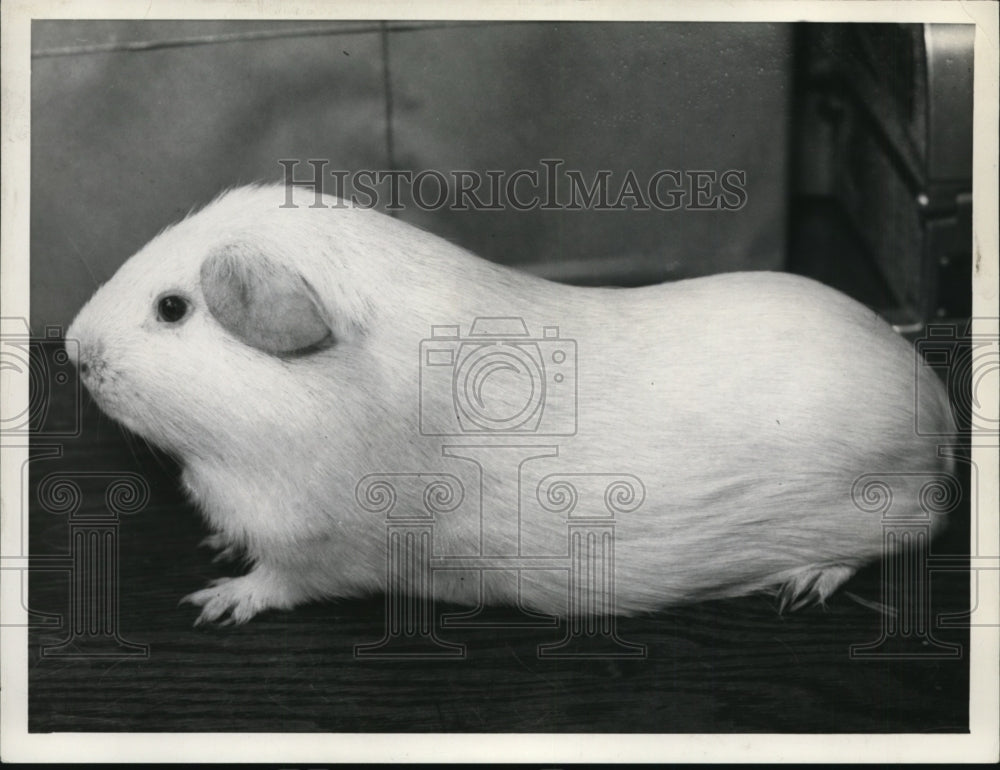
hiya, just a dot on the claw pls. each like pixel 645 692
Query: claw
pixel 226 554
pixel 214 541
pixel 812 586
pixel 227 550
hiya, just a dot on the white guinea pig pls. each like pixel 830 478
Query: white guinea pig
pixel 287 355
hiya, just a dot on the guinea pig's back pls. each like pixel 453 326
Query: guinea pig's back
pixel 749 405
pixel 746 405
pixel 754 362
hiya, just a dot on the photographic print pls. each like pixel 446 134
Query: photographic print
pixel 591 384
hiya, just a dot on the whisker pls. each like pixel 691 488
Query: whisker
pixel 83 261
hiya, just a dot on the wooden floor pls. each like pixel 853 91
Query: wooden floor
pixel 730 666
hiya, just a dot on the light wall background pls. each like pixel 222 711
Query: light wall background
pixel 134 123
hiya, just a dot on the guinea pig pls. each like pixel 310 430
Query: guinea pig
pixel 285 355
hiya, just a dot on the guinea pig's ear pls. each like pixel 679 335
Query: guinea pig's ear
pixel 265 304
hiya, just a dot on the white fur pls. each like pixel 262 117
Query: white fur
pixel 746 403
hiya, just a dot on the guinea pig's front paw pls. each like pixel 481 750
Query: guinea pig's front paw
pixel 236 600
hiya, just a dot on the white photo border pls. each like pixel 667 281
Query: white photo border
pixel 17 744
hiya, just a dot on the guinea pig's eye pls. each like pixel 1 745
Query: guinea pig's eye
pixel 172 308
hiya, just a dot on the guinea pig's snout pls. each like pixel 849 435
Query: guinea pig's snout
pixel 85 357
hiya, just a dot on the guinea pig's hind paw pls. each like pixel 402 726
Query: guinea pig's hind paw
pixel 812 585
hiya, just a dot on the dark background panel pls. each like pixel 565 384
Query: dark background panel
pixel 617 97
pixel 135 123
pixel 126 142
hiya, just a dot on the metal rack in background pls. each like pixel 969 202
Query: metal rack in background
pixel 886 131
